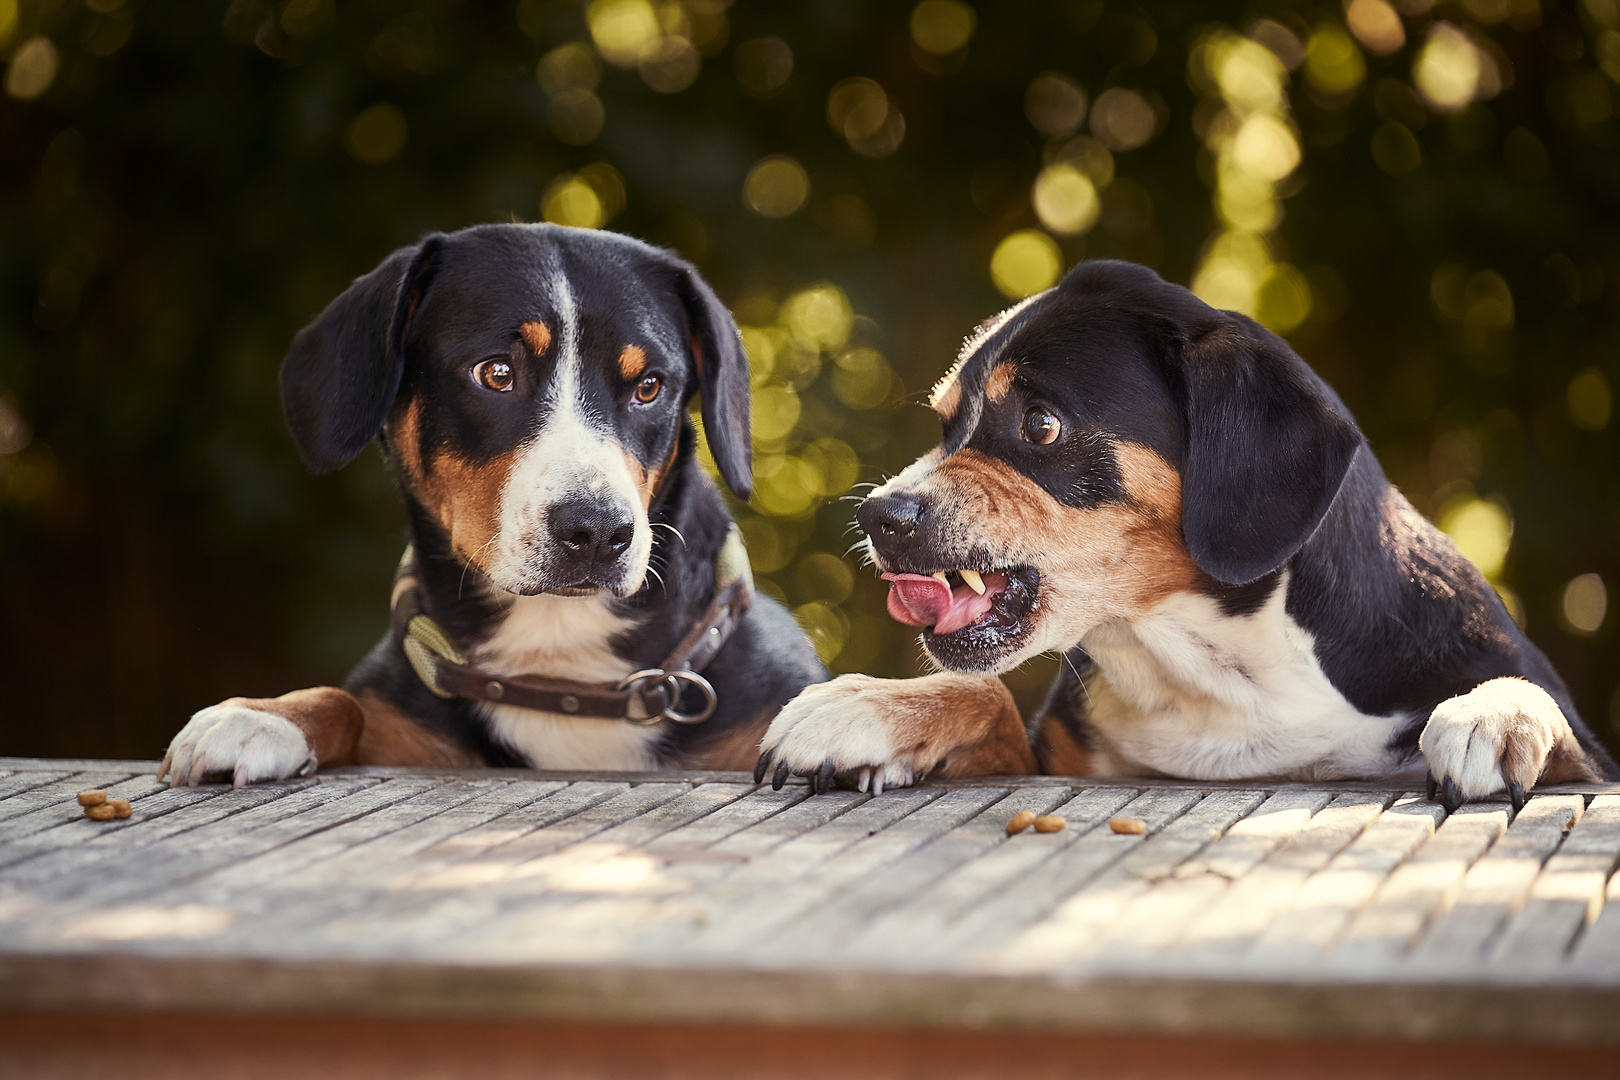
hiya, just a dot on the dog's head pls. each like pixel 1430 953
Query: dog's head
pixel 1108 443
pixel 530 383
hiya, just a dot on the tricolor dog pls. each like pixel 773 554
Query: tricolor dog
pixel 574 594
pixel 1169 498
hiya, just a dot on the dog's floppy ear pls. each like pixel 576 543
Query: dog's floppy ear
pixel 722 369
pixel 340 377
pixel 1266 451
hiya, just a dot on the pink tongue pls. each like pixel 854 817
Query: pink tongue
pixel 920 600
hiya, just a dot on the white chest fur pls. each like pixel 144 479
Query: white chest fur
pixel 1190 692
pixel 565 637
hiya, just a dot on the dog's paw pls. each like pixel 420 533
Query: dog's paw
pixel 1502 734
pixel 846 729
pixel 248 744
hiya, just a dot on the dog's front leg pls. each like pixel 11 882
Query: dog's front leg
pixel 1504 733
pixel 254 739
pixel 893 732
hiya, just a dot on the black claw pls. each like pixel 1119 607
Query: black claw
pixel 1430 786
pixel 1516 796
pixel 824 778
pixel 1453 798
pixel 761 765
pixel 779 777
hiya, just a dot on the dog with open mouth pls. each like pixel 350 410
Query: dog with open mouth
pixel 1168 497
pixel 574 594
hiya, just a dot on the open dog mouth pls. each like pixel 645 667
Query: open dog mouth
pixel 965 614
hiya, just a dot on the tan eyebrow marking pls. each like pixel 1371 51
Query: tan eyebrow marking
pixel 536 335
pixel 632 362
pixel 1000 380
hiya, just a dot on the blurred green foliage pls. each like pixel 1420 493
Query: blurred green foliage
pixel 1424 197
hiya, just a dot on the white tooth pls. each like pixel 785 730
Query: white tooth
pixel 975 582
pixel 942 575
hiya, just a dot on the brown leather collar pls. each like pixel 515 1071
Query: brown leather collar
pixel 645 697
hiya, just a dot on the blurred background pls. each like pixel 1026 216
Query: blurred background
pixel 1424 198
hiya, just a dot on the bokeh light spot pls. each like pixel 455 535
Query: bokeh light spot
pixel 569 67
pixel 1122 119
pixel 1055 105
pixel 670 64
pixel 860 111
pixel 576 116
pixel 1482 530
pixel 1333 63
pixel 776 186
pixel 1285 299
pixel 1065 200
pixel 825 577
pixel 862 378
pixel 763 65
pixel 587 199
pixel 942 27
pixel 622 29
pixel 1396 149
pixel 1447 72
pixel 1265 147
pixel 1589 400
pixel 1585 603
pixel 377 135
pixel 827 627
pixel 8 19
pixel 1376 25
pixel 1025 263
pixel 819 317
pixel 33 69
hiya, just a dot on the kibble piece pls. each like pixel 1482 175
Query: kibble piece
pixel 92 798
pixel 1129 826
pixel 1051 823
pixel 121 808
pixel 100 812
pixel 1021 821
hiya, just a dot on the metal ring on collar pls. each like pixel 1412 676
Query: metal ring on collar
pixel 672 682
pixel 672 691
pixel 709 703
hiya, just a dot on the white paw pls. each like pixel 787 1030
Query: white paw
pixel 843 728
pixel 1496 736
pixel 249 744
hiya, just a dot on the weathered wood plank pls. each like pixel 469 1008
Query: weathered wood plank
pixel 1331 897
pixel 83 845
pixel 746 812
pixel 1566 896
pixel 840 921
pixel 996 931
pixel 1247 909
pixel 1073 932
pixel 919 923
pixel 1496 886
pixel 58 794
pixel 171 861
pixel 1150 924
pixel 1420 889
pixel 27 827
pixel 774 928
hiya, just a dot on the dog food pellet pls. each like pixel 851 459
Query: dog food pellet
pixel 101 812
pixel 1021 821
pixel 121 808
pixel 1129 826
pixel 92 798
pixel 1051 823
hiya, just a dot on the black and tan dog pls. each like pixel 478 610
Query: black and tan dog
pixel 574 594
pixel 1170 498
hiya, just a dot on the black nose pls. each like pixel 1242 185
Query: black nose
pixel 891 517
pixel 591 532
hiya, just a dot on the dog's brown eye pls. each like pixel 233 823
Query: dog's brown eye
pixel 494 375
pixel 647 389
pixel 1041 427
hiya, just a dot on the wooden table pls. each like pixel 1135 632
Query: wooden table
pixel 400 922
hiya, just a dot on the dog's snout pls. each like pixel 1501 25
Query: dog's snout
pixel 891 517
pixel 592 532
